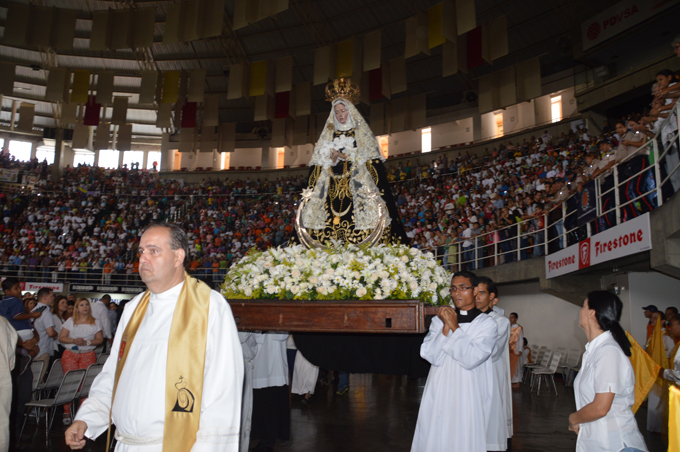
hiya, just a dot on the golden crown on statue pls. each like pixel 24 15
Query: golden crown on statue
pixel 342 88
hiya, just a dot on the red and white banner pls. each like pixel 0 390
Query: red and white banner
pixel 35 286
pixel 619 18
pixel 628 238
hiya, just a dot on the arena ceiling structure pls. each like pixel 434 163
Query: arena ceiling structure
pixel 279 29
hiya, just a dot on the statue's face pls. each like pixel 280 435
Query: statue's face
pixel 341 113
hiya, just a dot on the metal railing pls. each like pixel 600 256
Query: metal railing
pixel 658 176
pixel 93 276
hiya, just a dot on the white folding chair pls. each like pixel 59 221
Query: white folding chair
pixel 65 395
pixel 548 372
pixel 570 361
pixel 92 371
pixel 98 350
pixel 571 372
pixel 36 368
pixel 53 380
pixel 538 359
pixel 563 352
pixel 101 359
pixel 545 362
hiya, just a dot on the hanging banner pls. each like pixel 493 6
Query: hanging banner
pixel 631 237
pixel 170 87
pixel 81 86
pixel 258 78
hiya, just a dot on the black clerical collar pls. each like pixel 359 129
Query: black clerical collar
pixel 468 316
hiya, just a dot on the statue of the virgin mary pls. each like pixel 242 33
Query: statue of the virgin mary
pixel 348 197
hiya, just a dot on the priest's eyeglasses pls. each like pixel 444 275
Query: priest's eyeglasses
pixel 455 289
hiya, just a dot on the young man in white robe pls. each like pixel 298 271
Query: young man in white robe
pixel 140 410
pixel 456 404
pixel 499 429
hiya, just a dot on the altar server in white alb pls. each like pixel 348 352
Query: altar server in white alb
pixel 174 380
pixel 454 411
pixel 500 427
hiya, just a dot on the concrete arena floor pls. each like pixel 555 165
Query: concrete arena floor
pixel 379 415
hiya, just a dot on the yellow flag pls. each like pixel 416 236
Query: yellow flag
pixel 674 419
pixel 343 67
pixel 258 78
pixel 170 87
pixel 656 347
pixel 434 26
pixel 645 369
pixel 81 86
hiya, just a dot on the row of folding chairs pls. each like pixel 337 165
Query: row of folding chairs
pixel 547 363
pixel 70 388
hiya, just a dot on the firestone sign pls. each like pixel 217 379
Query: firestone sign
pixel 619 18
pixel 628 238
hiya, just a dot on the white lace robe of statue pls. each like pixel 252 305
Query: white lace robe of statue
pixel 456 402
pixel 139 408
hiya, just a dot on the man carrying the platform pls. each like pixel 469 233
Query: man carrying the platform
pixel 499 429
pixel 175 379
pixel 457 400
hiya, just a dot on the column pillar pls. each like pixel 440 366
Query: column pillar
pixel 477 127
pixel 265 157
pixel 120 159
pixel 167 160
pixel 145 160
pixel 58 154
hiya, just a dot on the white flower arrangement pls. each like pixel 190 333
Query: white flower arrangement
pixel 339 272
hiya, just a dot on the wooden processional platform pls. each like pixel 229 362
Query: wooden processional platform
pixel 346 316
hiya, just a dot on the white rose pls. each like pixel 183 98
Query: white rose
pixel 322 290
pixel 413 285
pixel 295 289
pixel 433 286
pixel 404 258
pixel 296 273
pixel 313 280
pixel 330 272
pixel 361 292
pixel 248 291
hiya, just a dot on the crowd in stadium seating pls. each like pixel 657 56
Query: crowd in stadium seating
pixel 87 224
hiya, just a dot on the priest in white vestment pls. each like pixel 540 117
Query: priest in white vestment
pixel 498 430
pixel 140 411
pixel 456 404
pixel 8 348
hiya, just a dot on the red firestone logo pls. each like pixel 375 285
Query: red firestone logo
pixel 593 31
pixel 584 254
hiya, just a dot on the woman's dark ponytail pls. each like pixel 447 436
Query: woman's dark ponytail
pixel 608 307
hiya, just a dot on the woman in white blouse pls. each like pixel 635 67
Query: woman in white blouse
pixel 59 314
pixel 80 335
pixel 605 387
